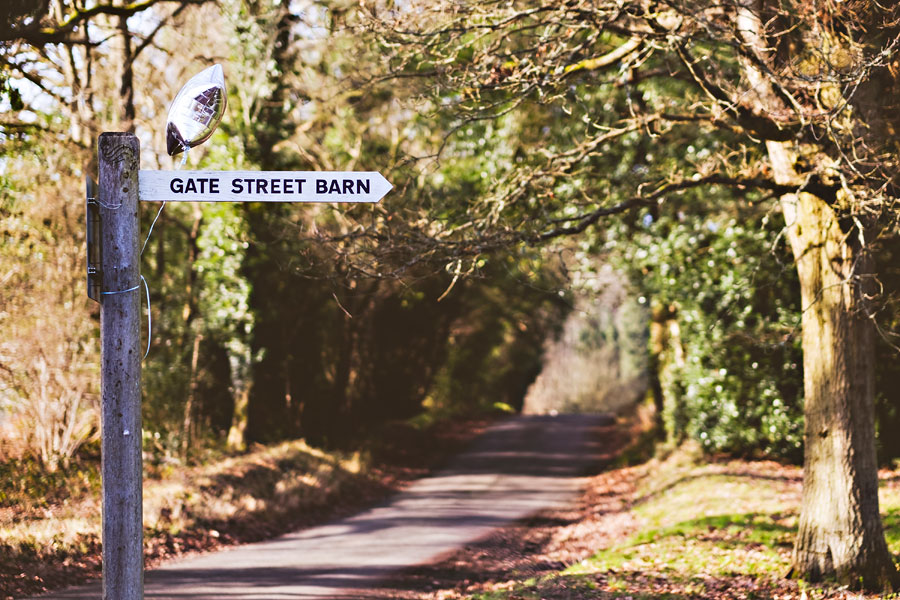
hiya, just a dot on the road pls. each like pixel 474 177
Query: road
pixel 516 468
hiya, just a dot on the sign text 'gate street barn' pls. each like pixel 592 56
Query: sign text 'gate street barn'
pixel 262 186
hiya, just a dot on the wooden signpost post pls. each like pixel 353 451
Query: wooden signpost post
pixel 114 280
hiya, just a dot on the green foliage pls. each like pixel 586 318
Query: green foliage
pixel 27 485
pixel 327 319
pixel 495 344
pixel 265 317
pixel 199 294
pixel 732 374
pixel 225 291
pixel 9 94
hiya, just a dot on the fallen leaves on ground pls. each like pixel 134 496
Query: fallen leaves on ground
pixel 553 555
pixel 28 567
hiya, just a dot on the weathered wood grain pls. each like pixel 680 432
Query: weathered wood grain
pixel 119 158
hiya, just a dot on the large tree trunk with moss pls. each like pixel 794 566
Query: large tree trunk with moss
pixel 840 526
pixel 840 531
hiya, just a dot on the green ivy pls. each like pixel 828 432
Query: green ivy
pixel 732 370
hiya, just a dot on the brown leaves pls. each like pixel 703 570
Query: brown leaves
pixel 28 567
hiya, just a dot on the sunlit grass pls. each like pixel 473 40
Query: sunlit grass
pixel 701 525
pixel 889 498
pixel 719 520
pixel 691 549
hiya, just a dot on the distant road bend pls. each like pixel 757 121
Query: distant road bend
pixel 516 468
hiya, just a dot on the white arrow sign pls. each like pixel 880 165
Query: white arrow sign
pixel 262 186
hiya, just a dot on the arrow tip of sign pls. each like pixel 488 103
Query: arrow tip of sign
pixel 387 186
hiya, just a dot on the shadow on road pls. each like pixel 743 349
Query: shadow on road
pixel 517 468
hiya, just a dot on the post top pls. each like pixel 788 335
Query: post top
pixel 116 134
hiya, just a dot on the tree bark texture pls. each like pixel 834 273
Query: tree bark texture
pixel 840 531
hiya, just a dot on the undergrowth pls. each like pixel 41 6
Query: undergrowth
pixel 27 485
pixel 50 523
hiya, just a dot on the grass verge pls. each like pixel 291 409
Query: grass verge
pixel 702 530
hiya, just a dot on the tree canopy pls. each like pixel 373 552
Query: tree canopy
pixel 620 106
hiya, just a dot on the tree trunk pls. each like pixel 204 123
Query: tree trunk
pixel 126 88
pixel 236 440
pixel 658 367
pixel 840 532
pixel 187 430
pixel 189 313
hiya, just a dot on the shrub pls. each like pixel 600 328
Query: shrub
pixel 731 369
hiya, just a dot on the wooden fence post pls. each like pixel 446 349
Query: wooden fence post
pixel 120 358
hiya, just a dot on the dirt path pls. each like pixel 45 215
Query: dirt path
pixel 517 468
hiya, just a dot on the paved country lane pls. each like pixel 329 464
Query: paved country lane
pixel 517 467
